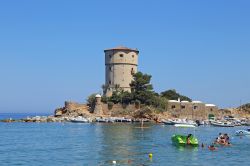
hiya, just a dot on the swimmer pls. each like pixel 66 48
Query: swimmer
pixel 212 147
pixel 188 139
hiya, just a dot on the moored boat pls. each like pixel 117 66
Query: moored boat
pixel 122 119
pixel 221 124
pixel 179 121
pixel 185 125
pixel 79 119
pixel 245 123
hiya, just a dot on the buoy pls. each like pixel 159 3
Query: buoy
pixel 114 162
pixel 150 155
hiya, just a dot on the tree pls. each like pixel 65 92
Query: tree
pixel 126 97
pixel 141 88
pixel 173 95
pixel 91 100
pixel 116 97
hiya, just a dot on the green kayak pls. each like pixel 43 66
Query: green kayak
pixel 182 140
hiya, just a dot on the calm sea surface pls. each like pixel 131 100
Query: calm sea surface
pixel 99 144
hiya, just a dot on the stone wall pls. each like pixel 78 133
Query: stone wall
pixel 194 110
pixel 75 106
pixel 117 109
pixel 72 109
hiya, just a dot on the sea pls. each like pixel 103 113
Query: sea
pixel 100 144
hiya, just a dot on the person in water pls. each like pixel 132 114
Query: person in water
pixel 226 137
pixel 212 147
pixel 220 139
pixel 188 139
pixel 223 139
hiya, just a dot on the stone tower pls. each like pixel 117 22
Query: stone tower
pixel 98 105
pixel 121 63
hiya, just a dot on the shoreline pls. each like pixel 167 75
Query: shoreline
pixel 121 119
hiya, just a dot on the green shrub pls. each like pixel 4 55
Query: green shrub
pixel 137 104
pixel 110 105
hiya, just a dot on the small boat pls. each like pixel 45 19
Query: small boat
pixel 242 132
pixel 122 119
pixel 168 122
pixel 245 123
pixel 79 119
pixel 105 120
pixel 185 125
pixel 221 124
pixel 179 121
pixel 199 122
pixel 140 120
pixel 181 140
pixel 101 120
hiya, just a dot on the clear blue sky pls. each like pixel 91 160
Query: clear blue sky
pixel 52 50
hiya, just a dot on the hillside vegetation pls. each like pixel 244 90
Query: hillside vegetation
pixel 142 92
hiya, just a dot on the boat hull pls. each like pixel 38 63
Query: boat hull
pixel 221 124
pixel 185 125
pixel 78 121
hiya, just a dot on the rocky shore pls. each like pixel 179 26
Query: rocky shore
pixel 72 110
pixel 42 119
pixel 132 112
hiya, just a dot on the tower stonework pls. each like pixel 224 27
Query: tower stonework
pixel 121 63
pixel 98 105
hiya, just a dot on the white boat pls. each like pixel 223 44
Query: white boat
pixel 221 124
pixel 245 123
pixel 185 125
pixel 179 121
pixel 79 119
pixel 242 132
pixel 122 119
pixel 101 120
pixel 105 120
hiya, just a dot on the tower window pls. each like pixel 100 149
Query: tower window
pixel 109 82
pixel 195 107
pixel 121 55
pixel 133 56
pixel 110 68
pixel 183 107
pixel 173 106
pixel 110 56
pixel 132 71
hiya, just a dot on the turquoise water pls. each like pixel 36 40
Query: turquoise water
pixel 99 144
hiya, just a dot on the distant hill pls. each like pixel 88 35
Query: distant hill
pixel 245 108
pixel 241 111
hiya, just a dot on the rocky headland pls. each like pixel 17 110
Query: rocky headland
pixel 132 111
